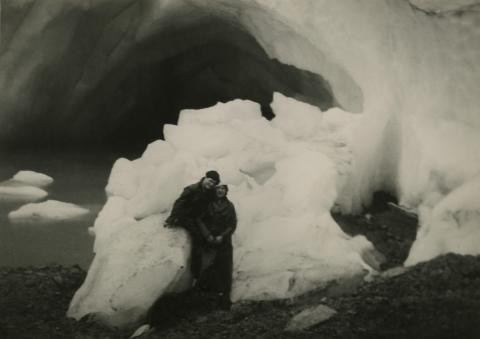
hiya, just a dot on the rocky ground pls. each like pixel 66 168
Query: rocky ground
pixel 438 299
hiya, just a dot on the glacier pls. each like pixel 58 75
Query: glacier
pixel 407 71
pixel 283 175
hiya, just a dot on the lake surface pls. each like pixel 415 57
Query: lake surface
pixel 79 178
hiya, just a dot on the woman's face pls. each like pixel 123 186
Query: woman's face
pixel 221 191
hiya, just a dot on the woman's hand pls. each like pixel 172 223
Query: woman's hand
pixel 218 239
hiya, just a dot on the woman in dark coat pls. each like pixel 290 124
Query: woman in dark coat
pixel 217 225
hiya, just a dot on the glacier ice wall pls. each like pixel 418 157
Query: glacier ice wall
pixel 410 67
pixel 113 72
pixel 284 176
pixel 419 76
pixel 404 67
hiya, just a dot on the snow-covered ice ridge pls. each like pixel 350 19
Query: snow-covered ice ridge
pixel 283 175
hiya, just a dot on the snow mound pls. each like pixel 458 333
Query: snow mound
pixel 50 210
pixel 33 178
pixel 21 193
pixel 283 185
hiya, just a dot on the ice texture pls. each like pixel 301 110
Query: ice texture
pixel 50 210
pixel 21 193
pixel 33 178
pixel 451 225
pixel 419 131
pixel 283 182
pixel 25 186
pixel 135 264
pixel 413 78
pixel 410 68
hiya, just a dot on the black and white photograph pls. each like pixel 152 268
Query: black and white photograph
pixel 239 169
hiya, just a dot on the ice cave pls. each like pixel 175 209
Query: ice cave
pixel 304 107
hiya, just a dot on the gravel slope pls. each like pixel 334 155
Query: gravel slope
pixel 437 299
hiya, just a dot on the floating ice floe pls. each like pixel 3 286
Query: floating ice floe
pixel 50 210
pixel 25 186
pixel 33 178
pixel 21 193
pixel 283 182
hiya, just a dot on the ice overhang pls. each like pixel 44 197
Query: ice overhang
pixel 445 6
pixel 113 70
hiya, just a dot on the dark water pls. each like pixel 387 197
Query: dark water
pixel 79 178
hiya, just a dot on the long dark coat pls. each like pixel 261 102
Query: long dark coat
pixel 191 204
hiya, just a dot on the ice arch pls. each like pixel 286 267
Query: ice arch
pixel 116 71
pixel 445 6
pixel 193 64
pixel 404 69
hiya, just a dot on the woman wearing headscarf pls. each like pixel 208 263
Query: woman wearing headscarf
pixel 217 224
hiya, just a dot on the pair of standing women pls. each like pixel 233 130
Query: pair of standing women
pixel 205 211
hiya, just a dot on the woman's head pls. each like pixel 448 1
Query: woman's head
pixel 221 190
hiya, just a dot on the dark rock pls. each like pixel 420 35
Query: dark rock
pixel 310 317
pixel 373 258
pixel 394 272
pixel 58 279
pixel 345 286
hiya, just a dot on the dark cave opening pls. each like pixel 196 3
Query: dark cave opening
pixel 190 63
pixel 194 66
